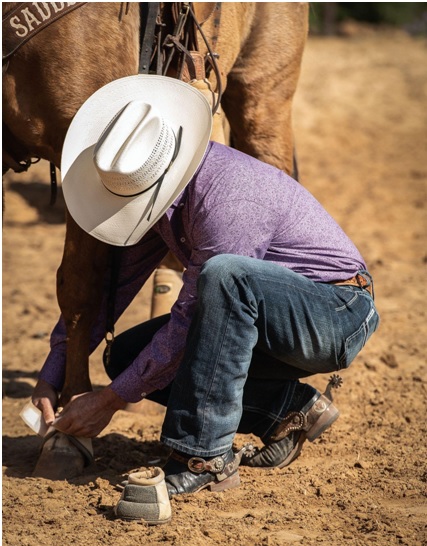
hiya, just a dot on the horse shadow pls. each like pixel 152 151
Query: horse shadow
pixel 115 456
pixel 15 384
pixel 37 195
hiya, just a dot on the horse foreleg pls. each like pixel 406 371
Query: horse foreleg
pixel 79 291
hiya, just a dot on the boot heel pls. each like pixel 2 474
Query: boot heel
pixel 329 416
pixel 228 483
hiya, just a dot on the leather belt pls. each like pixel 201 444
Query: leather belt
pixel 357 280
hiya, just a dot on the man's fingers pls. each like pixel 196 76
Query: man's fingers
pixel 70 422
pixel 45 398
pixel 67 426
pixel 47 410
pixel 87 414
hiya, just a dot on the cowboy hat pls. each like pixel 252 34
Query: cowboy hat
pixel 130 150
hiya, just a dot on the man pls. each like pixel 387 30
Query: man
pixel 273 289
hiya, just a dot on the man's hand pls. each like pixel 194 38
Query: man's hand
pixel 45 399
pixel 89 413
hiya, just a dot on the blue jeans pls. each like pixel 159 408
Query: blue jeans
pixel 258 328
pixel 298 326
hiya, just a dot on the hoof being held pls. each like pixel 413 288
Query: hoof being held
pixel 62 457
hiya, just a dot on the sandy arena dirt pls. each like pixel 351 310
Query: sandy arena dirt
pixel 361 127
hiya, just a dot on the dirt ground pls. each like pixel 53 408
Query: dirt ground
pixel 361 127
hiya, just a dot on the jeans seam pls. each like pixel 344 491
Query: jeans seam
pixel 346 305
pixel 201 436
pixel 262 412
pixel 314 292
pixel 180 446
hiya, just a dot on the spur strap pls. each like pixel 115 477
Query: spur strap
pixel 217 465
pixel 295 420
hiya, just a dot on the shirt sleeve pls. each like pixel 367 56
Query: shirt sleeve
pixel 155 367
pixel 136 265
pixel 223 227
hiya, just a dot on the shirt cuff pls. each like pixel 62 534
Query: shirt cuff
pixel 129 387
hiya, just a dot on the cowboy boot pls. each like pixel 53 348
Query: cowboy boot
pixel 286 441
pixel 187 474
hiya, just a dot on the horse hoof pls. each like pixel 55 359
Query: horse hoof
pixel 59 459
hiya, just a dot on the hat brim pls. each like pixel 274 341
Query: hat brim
pixel 113 219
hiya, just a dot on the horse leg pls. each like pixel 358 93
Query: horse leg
pixel 262 83
pixel 79 299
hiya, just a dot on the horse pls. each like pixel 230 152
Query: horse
pixel 257 48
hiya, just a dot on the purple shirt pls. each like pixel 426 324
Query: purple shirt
pixel 233 205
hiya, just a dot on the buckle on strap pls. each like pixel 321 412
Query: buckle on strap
pixel 199 465
pixel 217 465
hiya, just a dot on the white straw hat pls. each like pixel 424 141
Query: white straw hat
pixel 130 151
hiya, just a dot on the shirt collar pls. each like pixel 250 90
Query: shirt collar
pixel 182 198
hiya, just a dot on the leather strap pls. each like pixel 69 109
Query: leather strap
pixel 148 14
pixel 53 184
pixel 27 19
pixel 116 259
pixel 217 465
pixel 216 13
pixel 357 280
pixel 294 420
pixel 198 464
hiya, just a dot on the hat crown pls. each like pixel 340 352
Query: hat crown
pixel 134 150
pixel 117 181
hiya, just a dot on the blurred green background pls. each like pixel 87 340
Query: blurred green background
pixel 326 17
